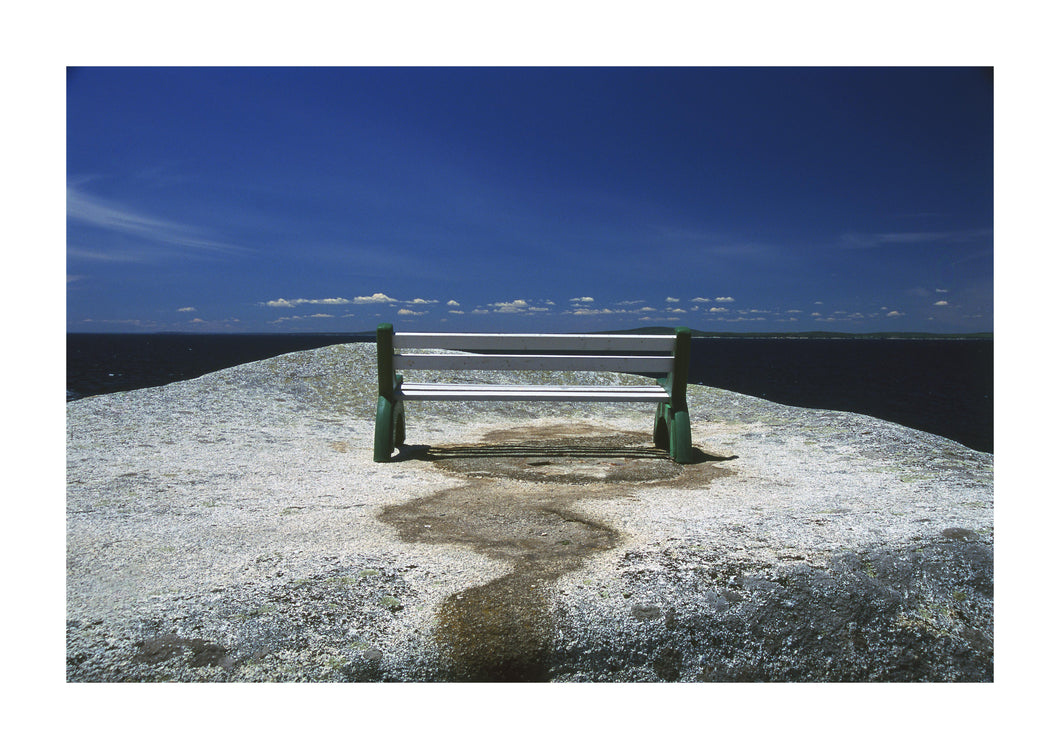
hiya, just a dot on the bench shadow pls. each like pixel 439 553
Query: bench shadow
pixel 531 450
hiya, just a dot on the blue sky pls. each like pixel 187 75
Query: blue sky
pixel 569 199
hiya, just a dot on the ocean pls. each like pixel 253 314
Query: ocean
pixel 942 386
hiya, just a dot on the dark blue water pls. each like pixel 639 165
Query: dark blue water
pixel 940 386
pixel 98 363
pixel 943 386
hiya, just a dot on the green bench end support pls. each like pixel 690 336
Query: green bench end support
pixel 673 429
pixel 389 412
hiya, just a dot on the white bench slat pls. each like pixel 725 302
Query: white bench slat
pixel 536 362
pixel 663 344
pixel 476 392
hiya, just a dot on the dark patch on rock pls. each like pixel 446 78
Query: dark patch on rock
pixel 501 631
pixel 566 454
pixel 646 612
pixel 158 649
pixel 667 664
pixel 205 653
pixel 497 632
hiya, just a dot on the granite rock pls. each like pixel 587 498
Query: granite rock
pixel 235 528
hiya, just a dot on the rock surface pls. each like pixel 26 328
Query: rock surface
pixel 235 528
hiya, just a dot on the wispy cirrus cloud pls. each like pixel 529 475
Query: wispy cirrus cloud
pixel 110 255
pixel 858 240
pixel 167 237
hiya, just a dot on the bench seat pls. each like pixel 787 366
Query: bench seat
pixel 431 391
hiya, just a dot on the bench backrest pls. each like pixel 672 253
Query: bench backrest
pixel 665 356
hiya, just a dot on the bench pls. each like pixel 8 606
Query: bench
pixel 665 356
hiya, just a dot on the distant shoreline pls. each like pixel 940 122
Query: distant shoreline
pixel 813 334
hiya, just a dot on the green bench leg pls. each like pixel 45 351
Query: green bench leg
pixel 384 430
pixel 399 426
pixel 673 433
pixel 673 430
pixel 661 432
pixel 389 428
pixel 680 437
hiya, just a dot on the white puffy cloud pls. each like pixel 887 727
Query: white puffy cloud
pixel 942 303
pixel 516 305
pixel 376 298
pixel 453 303
pixel 281 302
pixel 583 300
pixel 724 299
pixel 407 312
pixel 186 309
pixel 895 313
